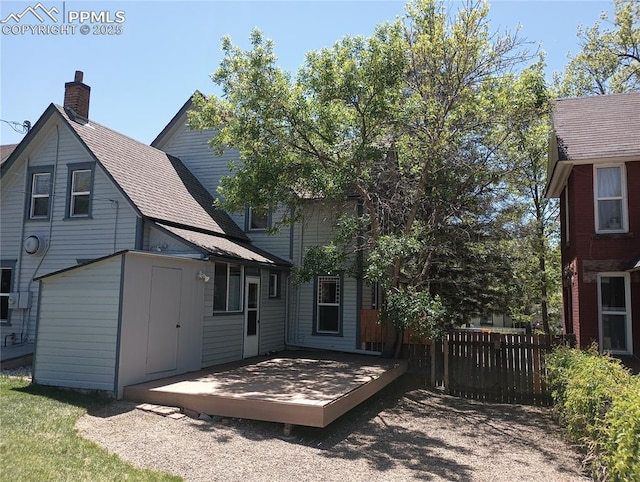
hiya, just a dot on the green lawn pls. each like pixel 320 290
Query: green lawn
pixel 38 441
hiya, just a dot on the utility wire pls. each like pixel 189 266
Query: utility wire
pixel 16 126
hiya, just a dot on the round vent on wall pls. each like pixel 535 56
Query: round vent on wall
pixel 36 244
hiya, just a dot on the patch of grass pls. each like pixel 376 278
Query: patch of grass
pixel 38 440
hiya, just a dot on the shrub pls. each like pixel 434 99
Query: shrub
pixel 620 445
pixel 599 402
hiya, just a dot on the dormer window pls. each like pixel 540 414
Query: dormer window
pixel 610 199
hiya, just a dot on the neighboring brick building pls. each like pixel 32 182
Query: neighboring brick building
pixel 594 168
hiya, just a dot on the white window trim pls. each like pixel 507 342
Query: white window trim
pixel 624 224
pixel 273 285
pixel 319 304
pixel 627 312
pixel 567 237
pixel 73 194
pixel 35 196
pixel 241 295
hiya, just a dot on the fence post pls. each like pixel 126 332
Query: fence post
pixel 445 352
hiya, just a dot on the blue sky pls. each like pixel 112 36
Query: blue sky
pixel 167 49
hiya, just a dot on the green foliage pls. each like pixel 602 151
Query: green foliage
pixel 410 308
pixel 599 402
pixel 609 61
pixel 621 441
pixel 412 121
pixel 39 442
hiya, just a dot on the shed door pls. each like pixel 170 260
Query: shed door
pixel 252 317
pixel 164 320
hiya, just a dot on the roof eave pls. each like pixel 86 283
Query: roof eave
pixel 174 123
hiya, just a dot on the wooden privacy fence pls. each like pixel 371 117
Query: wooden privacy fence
pixel 483 365
pixel 493 366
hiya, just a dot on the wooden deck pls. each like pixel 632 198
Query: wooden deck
pixel 311 389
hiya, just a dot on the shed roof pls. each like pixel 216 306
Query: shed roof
pixel 226 248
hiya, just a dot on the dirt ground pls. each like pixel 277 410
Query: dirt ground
pixel 403 433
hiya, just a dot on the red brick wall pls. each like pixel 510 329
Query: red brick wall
pixel 587 254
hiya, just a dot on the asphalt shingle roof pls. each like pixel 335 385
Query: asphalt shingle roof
pixel 159 185
pixel 603 126
pixel 6 150
pixel 226 248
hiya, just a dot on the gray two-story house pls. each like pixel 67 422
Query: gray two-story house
pixel 119 267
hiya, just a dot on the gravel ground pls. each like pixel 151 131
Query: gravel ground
pixel 403 433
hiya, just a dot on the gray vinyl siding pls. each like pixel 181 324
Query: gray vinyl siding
pixel 272 316
pixel 277 243
pixel 111 228
pixel 315 230
pixel 222 333
pixel 159 241
pixel 222 338
pixel 77 330
pixel 193 149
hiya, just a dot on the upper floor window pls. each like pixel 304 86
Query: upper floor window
pixel 227 287
pixel 80 186
pixel 611 199
pixel 40 193
pixel 257 221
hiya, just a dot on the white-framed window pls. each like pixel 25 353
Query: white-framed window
pixel 257 221
pixel 79 190
pixel 227 287
pixel 566 216
pixel 5 290
pixel 40 202
pixel 274 285
pixel 328 305
pixel 614 312
pixel 610 188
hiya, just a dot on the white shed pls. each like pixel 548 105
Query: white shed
pixel 119 320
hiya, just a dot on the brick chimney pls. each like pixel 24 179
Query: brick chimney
pixel 76 96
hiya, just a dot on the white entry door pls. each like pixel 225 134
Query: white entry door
pixel 251 316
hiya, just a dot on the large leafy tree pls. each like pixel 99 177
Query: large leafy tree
pixel 412 121
pixel 609 60
pixel 533 217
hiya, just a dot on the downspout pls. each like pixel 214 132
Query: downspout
pixel 53 200
pixel 18 276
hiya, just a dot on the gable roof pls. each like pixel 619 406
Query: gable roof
pixel 592 129
pixel 603 126
pixel 158 184
pixel 5 151
pixel 177 120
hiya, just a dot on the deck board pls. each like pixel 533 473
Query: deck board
pixel 309 389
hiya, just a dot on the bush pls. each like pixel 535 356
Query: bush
pixel 599 402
